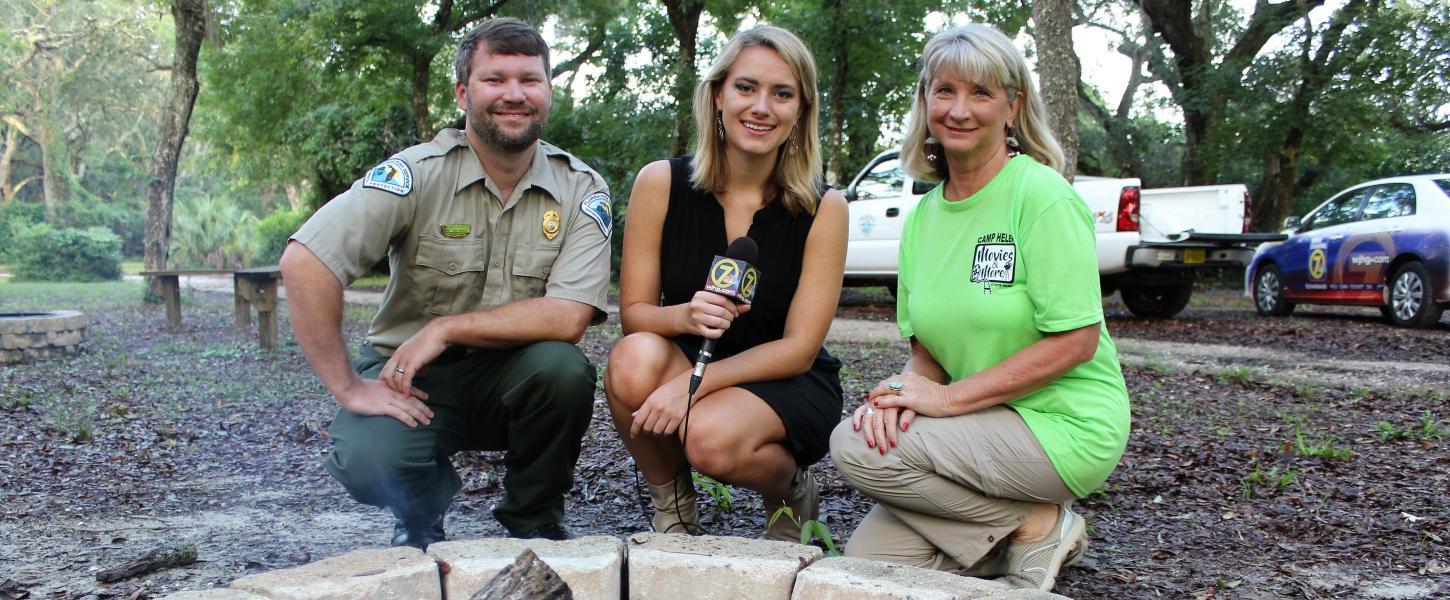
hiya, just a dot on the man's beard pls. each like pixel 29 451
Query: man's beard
pixel 487 129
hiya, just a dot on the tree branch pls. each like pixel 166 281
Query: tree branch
pixel 469 18
pixel 1269 18
pixel 596 41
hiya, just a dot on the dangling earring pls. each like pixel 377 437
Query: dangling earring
pixel 930 151
pixel 790 144
pixel 1012 139
pixel 719 127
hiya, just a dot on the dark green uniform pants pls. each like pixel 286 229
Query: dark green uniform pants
pixel 534 401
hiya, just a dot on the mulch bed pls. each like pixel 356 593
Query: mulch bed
pixel 1230 487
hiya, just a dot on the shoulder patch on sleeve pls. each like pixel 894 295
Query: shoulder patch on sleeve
pixel 598 207
pixel 393 176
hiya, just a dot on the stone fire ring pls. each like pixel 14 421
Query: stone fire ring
pixel 26 336
pixel 645 566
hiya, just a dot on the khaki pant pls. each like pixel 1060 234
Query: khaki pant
pixel 950 491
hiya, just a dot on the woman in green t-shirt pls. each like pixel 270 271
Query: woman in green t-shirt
pixel 1012 402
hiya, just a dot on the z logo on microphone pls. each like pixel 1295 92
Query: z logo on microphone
pixel 724 274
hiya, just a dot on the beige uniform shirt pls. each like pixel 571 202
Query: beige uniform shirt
pixel 455 245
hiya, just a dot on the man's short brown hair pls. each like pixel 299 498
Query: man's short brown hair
pixel 504 35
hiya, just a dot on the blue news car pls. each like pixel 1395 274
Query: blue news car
pixel 1384 243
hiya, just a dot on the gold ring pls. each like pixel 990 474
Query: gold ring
pixel 895 386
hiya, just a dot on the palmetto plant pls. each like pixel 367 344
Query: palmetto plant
pixel 212 233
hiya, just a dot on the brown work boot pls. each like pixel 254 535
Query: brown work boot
pixel 675 507
pixel 804 502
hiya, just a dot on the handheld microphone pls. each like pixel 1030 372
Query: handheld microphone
pixel 735 278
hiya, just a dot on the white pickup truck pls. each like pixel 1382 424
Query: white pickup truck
pixel 1152 244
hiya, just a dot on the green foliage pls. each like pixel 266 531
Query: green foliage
pixel 1324 448
pixel 272 233
pixel 810 530
pixel 72 414
pixel 14 216
pixel 1428 428
pixel 1274 480
pixel 212 233
pixel 48 254
pixel 80 98
pixel 718 492
pixel 1236 375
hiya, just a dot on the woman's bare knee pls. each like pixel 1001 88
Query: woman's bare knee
pixel 708 452
pixel 636 365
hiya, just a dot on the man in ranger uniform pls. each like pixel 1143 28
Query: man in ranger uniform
pixel 498 248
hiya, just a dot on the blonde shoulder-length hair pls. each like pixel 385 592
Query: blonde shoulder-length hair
pixel 981 54
pixel 798 162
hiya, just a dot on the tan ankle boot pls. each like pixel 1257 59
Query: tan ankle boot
pixel 804 502
pixel 675 507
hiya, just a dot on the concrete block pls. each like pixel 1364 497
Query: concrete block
pixel 843 578
pixel 216 594
pixel 65 338
pixel 377 574
pixel 12 326
pixel 708 567
pixel 593 566
pixel 14 341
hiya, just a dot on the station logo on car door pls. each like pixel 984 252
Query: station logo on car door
pixel 1318 261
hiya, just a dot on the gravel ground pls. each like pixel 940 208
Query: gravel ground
pixel 1251 471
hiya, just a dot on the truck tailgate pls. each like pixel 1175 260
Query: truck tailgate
pixel 1169 213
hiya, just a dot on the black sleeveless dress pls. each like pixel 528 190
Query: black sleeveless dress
pixel 808 404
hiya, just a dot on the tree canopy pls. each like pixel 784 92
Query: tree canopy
pixel 1295 98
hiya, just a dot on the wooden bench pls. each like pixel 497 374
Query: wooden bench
pixel 251 288
pixel 257 288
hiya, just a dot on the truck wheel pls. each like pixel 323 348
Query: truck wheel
pixel 1412 304
pixel 1269 293
pixel 1162 301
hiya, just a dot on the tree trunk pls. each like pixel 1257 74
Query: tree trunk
pixel 422 70
pixel 1058 71
pixel 685 21
pixel 190 17
pixel 7 158
pixel 836 95
pixel 53 167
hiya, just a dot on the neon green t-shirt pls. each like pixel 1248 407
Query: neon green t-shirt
pixel 986 276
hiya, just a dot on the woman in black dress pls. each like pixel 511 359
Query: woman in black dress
pixel 771 396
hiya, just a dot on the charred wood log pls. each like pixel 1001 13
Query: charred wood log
pixel 526 579
pixel 164 557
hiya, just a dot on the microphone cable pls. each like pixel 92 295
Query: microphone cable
pixel 684 437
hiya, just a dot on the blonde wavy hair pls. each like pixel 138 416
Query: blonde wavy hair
pixel 797 173
pixel 981 54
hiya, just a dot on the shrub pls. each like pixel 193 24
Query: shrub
pixel 15 215
pixel 272 233
pixel 47 254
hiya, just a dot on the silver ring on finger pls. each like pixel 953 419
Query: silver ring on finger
pixel 870 411
pixel 400 370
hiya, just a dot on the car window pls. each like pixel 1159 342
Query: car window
pixel 1390 200
pixel 884 180
pixel 1444 185
pixel 1337 211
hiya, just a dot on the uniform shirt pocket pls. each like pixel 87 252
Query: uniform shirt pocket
pixel 449 274
pixel 532 265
